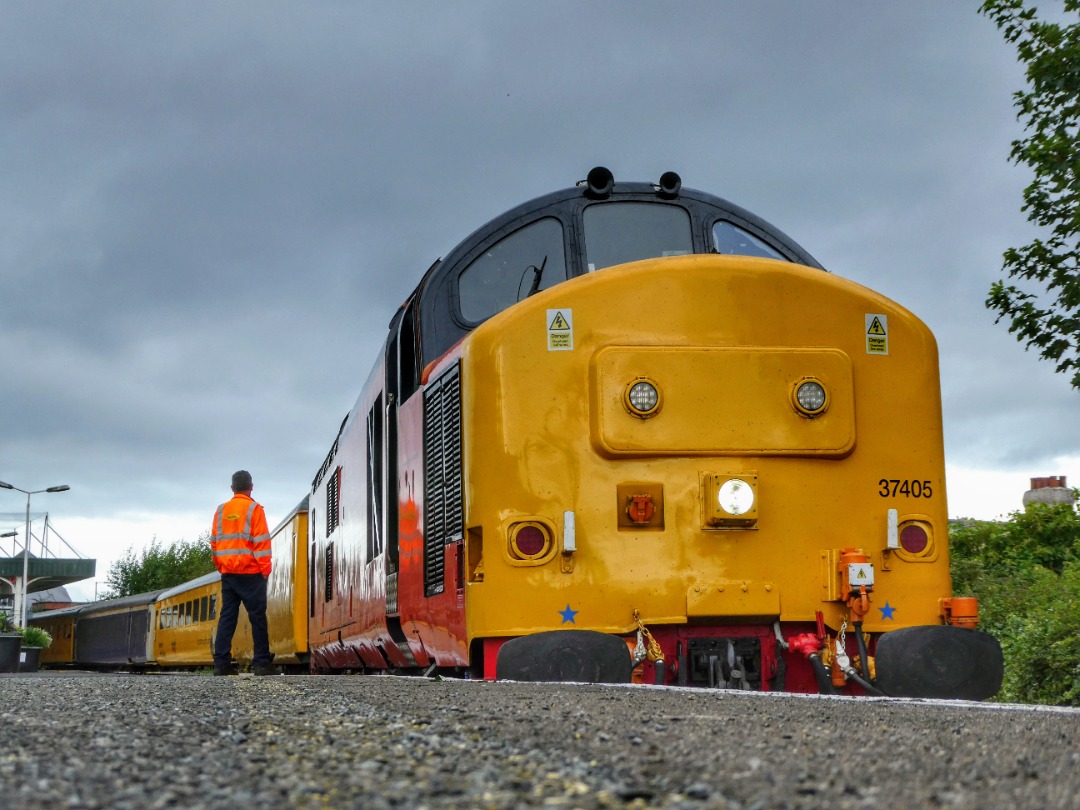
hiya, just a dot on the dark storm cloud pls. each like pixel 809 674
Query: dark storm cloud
pixel 210 211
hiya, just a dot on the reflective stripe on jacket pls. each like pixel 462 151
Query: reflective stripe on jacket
pixel 240 538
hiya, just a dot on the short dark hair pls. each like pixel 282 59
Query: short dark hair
pixel 241 481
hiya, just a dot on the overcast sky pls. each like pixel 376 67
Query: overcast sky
pixel 209 212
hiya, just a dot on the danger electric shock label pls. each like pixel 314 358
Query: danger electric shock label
pixel 560 330
pixel 877 334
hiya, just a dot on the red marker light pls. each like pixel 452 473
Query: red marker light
pixel 913 539
pixel 530 541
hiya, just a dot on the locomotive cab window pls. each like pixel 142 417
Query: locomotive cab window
pixel 732 240
pixel 621 232
pixel 526 261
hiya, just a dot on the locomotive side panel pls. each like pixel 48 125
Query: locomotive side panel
pixel 430 596
pixel 355 602
pixel 338 535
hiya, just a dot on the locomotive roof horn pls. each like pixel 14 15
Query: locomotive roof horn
pixel 599 183
pixel 669 186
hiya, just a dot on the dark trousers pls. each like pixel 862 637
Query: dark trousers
pixel 250 589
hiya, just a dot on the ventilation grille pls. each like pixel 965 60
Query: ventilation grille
pixel 443 491
pixel 329 592
pixel 333 502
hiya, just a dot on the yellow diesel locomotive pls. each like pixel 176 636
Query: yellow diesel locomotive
pixel 632 431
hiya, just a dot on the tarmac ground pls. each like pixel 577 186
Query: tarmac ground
pixel 80 740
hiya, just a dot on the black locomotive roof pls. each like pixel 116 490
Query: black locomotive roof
pixel 441 306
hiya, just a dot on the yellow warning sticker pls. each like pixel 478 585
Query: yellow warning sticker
pixel 861 574
pixel 560 330
pixel 877 334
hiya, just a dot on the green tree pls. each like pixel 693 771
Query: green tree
pixel 158 566
pixel 1048 320
pixel 1041 534
pixel 1026 573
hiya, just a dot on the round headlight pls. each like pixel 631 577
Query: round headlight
pixel 643 397
pixel 736 497
pixel 810 395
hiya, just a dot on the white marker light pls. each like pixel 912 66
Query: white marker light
pixel 736 497
pixel 811 396
pixel 643 397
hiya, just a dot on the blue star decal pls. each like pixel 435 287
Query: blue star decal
pixel 887 611
pixel 568 614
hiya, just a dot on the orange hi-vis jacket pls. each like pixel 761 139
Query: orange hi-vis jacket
pixel 240 538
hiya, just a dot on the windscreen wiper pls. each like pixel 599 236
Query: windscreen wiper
pixel 538 274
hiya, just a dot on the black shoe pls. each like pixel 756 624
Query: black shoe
pixel 225 669
pixel 262 669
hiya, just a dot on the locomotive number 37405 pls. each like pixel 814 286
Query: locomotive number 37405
pixel 891 487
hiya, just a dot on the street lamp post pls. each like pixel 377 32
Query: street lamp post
pixel 26 539
pixel 12 533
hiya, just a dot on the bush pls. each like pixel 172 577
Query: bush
pixel 36 637
pixel 7 625
pixel 1042 643
pixel 1026 573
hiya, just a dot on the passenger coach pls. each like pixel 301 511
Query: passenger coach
pixel 175 628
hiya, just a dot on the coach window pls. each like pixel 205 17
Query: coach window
pixel 616 233
pixel 732 240
pixel 528 260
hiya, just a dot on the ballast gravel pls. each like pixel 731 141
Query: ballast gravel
pixel 132 742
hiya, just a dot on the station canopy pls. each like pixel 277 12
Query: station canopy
pixel 51 563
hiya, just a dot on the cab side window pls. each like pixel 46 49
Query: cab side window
pixel 732 240
pixel 528 260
